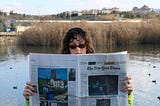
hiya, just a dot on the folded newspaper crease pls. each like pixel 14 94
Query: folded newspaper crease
pixel 75 80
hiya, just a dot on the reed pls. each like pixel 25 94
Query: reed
pixel 150 33
pixel 103 34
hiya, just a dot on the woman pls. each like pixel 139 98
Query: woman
pixel 77 41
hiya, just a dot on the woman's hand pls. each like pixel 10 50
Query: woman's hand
pixel 29 90
pixel 127 85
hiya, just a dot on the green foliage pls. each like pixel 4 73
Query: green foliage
pixel 127 15
pixel 13 26
pixel 2 26
pixel 145 15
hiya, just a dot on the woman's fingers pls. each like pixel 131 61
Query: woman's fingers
pixel 28 90
pixel 30 87
pixel 128 85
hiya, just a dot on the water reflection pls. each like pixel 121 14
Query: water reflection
pixel 144 66
pixel 11 52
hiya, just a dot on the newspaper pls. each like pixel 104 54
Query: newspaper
pixel 78 79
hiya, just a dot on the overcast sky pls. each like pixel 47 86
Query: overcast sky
pixel 41 7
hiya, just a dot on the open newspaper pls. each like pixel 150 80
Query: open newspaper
pixel 78 79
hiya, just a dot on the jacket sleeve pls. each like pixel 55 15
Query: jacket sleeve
pixel 27 102
pixel 130 99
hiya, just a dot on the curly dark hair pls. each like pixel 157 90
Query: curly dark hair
pixel 71 35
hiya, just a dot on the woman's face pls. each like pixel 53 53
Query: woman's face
pixel 77 46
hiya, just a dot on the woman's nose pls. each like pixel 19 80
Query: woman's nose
pixel 78 50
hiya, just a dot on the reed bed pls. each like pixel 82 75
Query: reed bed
pixel 103 34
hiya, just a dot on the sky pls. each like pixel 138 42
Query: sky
pixel 45 7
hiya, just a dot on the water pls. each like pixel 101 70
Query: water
pixel 146 92
pixel 13 73
pixel 144 67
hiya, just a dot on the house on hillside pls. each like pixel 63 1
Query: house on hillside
pixel 143 9
pixel 106 11
pixel 110 10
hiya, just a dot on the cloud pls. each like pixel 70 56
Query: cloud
pixel 17 4
pixel 99 3
pixel 11 6
pixel 86 4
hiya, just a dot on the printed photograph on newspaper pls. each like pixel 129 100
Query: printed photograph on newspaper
pixel 52 85
pixel 103 85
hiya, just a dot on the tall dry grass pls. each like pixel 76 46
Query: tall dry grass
pixel 103 34
pixel 149 33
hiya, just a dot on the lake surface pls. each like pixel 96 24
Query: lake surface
pixel 144 67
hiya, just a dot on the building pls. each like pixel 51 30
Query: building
pixel 143 9
pixel 110 10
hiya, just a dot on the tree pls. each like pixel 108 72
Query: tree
pixel 127 14
pixel 13 27
pixel 2 26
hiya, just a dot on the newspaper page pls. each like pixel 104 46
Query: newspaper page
pixel 100 79
pixel 78 79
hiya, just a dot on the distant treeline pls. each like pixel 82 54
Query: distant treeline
pixel 103 34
